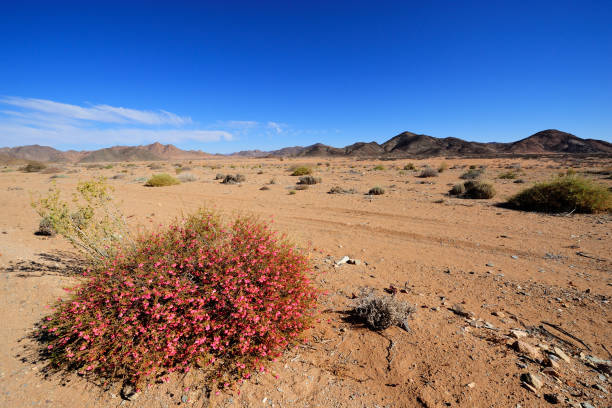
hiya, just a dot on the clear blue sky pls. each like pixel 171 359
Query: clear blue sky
pixel 246 75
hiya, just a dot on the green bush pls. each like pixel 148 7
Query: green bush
pixel 33 167
pixel 379 167
pixel 161 180
pixel 563 194
pixel 301 171
pixel 509 175
pixel 376 191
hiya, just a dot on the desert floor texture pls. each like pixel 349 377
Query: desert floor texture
pixel 508 270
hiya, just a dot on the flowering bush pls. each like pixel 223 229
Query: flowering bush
pixel 197 294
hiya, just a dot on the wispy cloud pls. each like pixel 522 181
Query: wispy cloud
pixel 29 120
pixel 97 113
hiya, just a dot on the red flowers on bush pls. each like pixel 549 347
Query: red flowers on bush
pixel 197 294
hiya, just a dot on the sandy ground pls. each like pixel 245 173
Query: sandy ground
pixel 511 270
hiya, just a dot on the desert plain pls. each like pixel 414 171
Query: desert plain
pixel 482 277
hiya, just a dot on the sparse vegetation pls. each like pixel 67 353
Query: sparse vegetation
pixel 219 176
pixel 382 312
pixel 45 227
pixel 409 166
pixel 376 191
pixel 161 180
pixel 457 189
pixel 476 189
pixel 564 194
pixel 187 177
pixel 233 179
pixel 33 167
pixel 442 167
pixel 508 175
pixel 428 172
pixel 309 180
pixel 91 222
pixel 301 171
pixel 340 190
pixel 472 174
pixel 378 167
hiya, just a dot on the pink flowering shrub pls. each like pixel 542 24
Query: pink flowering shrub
pixel 197 294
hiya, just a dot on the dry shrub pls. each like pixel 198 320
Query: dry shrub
pixel 478 189
pixel 309 180
pixel 508 175
pixel 219 176
pixel 161 180
pixel 196 294
pixel 472 174
pixel 233 179
pixel 33 167
pixel 457 189
pixel 155 166
pixel 443 167
pixel 187 177
pixel 378 167
pixel 90 221
pixel 301 171
pixel 409 166
pixel 45 227
pixel 376 191
pixel 340 190
pixel 428 172
pixel 563 194
pixel 381 312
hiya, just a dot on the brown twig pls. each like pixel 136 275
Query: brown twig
pixel 554 326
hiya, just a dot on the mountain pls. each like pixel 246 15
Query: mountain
pixel 406 144
pixel 555 141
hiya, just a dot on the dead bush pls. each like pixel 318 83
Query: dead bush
pixel 381 312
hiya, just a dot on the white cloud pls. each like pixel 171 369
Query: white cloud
pixel 277 127
pixel 96 113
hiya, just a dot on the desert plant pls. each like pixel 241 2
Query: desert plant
pixel 91 222
pixel 187 177
pixel 428 172
pixel 155 166
pixel 409 166
pixel 292 192
pixel 340 190
pixel 219 176
pixel 183 297
pixel 442 167
pixel 471 174
pixel 309 180
pixel 478 189
pixel 161 180
pixel 233 179
pixel 33 167
pixel 508 175
pixel 457 189
pixel 301 171
pixel 45 227
pixel 376 191
pixel 563 194
pixel 378 167
pixel 381 312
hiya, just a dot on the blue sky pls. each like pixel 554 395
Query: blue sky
pixel 245 75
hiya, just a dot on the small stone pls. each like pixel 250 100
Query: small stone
pixel 558 352
pixel 343 260
pixel 460 310
pixel 552 398
pixel 586 405
pixel 185 399
pixel 600 388
pixel 354 262
pixel 514 257
pixel 526 349
pixel 552 372
pixel 490 265
pixel 129 393
pixel 532 379
pixel 549 362
pixel 499 314
pixel 471 385
pixel 517 334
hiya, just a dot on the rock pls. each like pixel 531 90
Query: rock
pixel 600 388
pixel 354 262
pixel 527 349
pixel 586 405
pixel 129 393
pixel 460 310
pixel 559 353
pixel 552 372
pixel 552 398
pixel 471 385
pixel 499 314
pixel 185 399
pixel 517 334
pixel 490 265
pixel 514 257
pixel 549 362
pixel 532 379
pixel 344 260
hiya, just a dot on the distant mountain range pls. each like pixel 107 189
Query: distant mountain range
pixel 405 144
